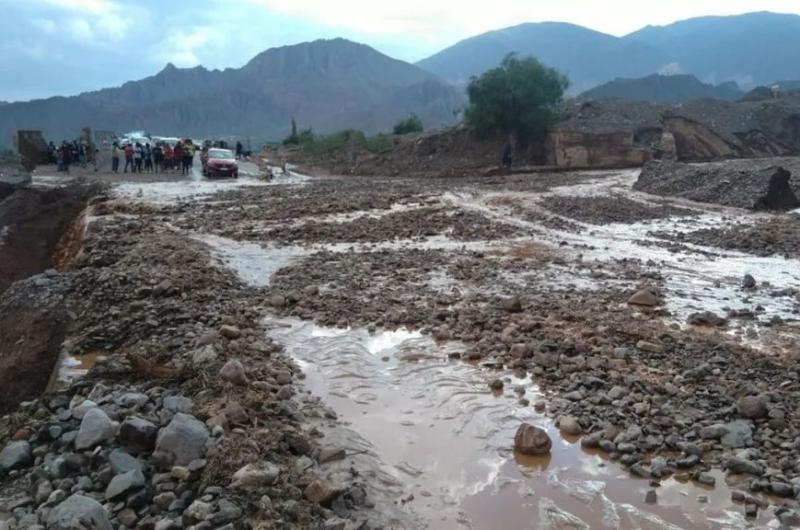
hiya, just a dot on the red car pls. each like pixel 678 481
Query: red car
pixel 219 163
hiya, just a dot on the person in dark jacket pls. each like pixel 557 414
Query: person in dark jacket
pixel 66 156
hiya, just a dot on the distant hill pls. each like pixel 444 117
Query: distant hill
pixel 328 85
pixel 663 89
pixel 751 49
pixel 765 92
pixel 588 57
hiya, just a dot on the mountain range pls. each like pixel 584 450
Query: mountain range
pixel 750 49
pixel 327 84
pixel 336 84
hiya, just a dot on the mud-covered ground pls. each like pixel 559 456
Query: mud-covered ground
pixel 429 318
pixel 775 235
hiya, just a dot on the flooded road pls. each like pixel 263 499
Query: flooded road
pixel 428 428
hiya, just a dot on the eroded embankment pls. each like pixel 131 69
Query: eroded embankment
pixel 40 229
pixel 32 223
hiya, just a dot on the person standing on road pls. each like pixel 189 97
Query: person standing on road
pixel 188 157
pixel 178 157
pixel 238 150
pixel 129 159
pixel 138 156
pixel 115 157
pixel 168 157
pixel 148 158
pixel 158 158
pixel 66 156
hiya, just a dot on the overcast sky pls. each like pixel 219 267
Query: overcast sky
pixel 62 47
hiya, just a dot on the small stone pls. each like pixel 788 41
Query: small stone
pixel 740 466
pixel 180 442
pixel 230 332
pixel 196 512
pixel 644 297
pixel 233 372
pixel 16 455
pixel 706 318
pixel 651 497
pixel 513 304
pixel 331 454
pixel 748 282
pixel 122 462
pixel 227 512
pixel 651 347
pixel 124 483
pixel 321 492
pixel 706 479
pixel 531 440
pixel 496 385
pixel 138 435
pixel 569 425
pixel 739 433
pixel 752 407
pixel 751 510
pixel 96 428
pixel 78 513
pixel 178 404
pixel 254 476
pixel 127 517
pixel 180 473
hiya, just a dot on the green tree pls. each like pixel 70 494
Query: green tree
pixel 412 124
pixel 519 97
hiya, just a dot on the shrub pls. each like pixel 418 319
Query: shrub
pixel 412 124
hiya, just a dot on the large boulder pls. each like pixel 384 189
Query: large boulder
pixel 180 442
pixel 78 513
pixel 531 440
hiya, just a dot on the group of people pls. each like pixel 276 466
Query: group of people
pixel 160 158
pixel 73 152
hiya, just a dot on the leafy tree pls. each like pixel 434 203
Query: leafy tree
pixel 519 97
pixel 412 124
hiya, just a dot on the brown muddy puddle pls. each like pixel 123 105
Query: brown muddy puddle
pixel 436 429
pixel 70 367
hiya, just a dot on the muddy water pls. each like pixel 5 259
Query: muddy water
pixel 696 279
pixel 195 186
pixel 438 430
pixel 70 367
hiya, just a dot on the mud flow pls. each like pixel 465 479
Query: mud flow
pixel 429 319
pixel 423 423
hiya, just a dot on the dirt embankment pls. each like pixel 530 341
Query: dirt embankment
pixel 32 222
pixel 33 322
pixel 37 233
pixel 764 184
pixel 592 135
